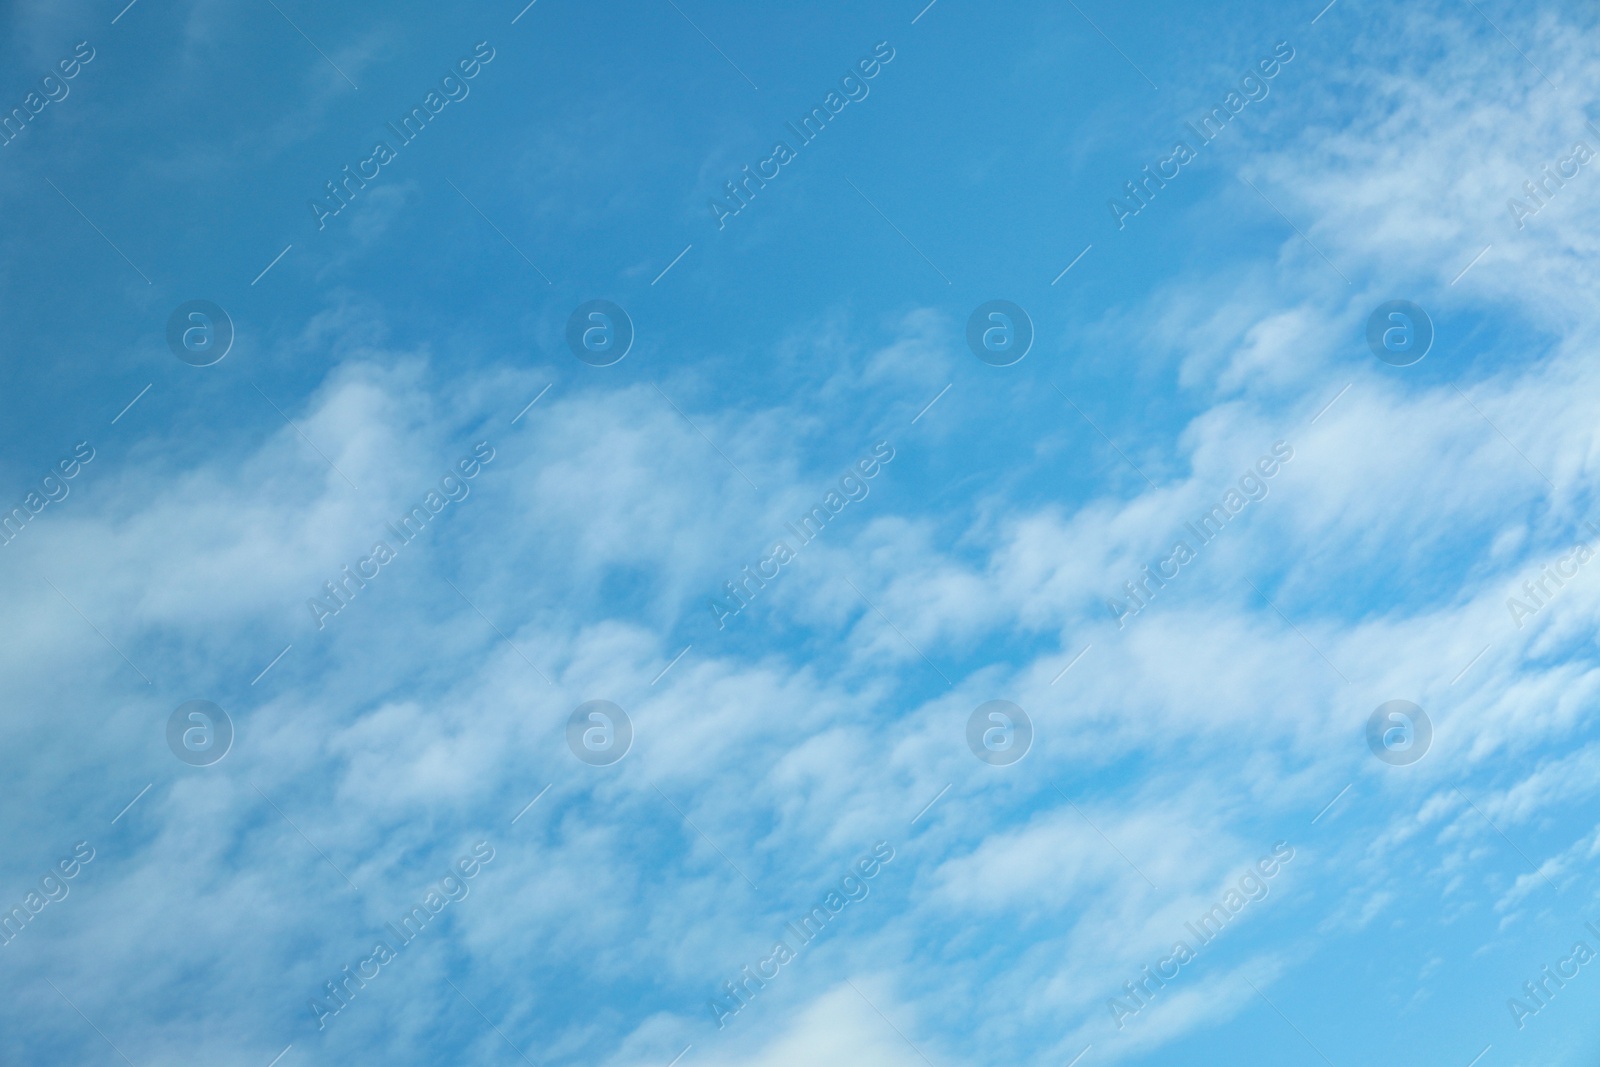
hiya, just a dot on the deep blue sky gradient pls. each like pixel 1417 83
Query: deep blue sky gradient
pixel 777 351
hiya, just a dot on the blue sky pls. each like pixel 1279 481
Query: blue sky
pixel 586 517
